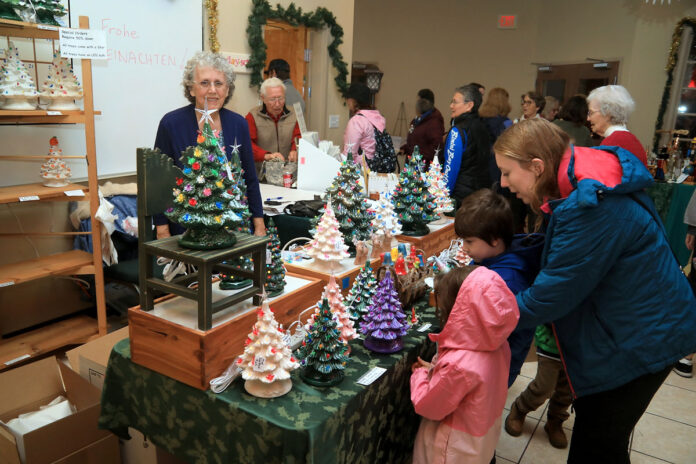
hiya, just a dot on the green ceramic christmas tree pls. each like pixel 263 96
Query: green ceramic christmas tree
pixel 47 10
pixel 413 203
pixel 360 295
pixel 207 198
pixel 322 352
pixel 275 271
pixel 8 9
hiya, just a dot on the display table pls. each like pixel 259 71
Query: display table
pixel 348 423
pixel 670 201
pixel 344 271
pixel 439 238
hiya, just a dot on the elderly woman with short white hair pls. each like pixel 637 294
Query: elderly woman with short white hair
pixel 208 83
pixel 273 126
pixel 609 109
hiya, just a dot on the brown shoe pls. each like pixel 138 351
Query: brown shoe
pixel 514 421
pixel 557 437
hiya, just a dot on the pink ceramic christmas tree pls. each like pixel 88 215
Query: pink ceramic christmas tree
pixel 385 323
pixel 338 308
pixel 327 245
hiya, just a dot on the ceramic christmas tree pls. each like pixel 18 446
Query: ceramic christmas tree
pixel 207 199
pixel 385 221
pixel 413 204
pixel 54 172
pixel 61 86
pixel 48 10
pixel 275 271
pixel 349 203
pixel 338 308
pixel 322 351
pixel 361 293
pixel 385 323
pixel 327 245
pixel 267 360
pixel 443 202
pixel 7 10
pixel 16 83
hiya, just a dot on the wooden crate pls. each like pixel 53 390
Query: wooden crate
pixel 344 275
pixel 194 357
pixel 438 239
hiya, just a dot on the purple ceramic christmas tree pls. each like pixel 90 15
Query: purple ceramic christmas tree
pixel 385 323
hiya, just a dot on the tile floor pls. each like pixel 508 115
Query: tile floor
pixel 665 434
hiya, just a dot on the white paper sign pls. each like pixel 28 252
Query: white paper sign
pixel 53 113
pixel 259 362
pixel 424 327
pixel 371 375
pixel 75 193
pixel 29 198
pixel 238 61
pixel 83 43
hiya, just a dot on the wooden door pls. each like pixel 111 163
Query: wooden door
pixel 289 43
pixel 564 81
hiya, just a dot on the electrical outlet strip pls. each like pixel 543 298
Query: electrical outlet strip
pixel 296 339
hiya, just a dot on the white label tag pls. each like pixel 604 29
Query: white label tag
pixel 424 327
pixel 83 43
pixel 17 359
pixel 54 113
pixel 337 245
pixel 682 177
pixel 43 27
pixel 29 198
pixel 229 171
pixel 7 284
pixel 75 193
pixel 286 338
pixel 371 375
pixel 259 362
pixel 268 256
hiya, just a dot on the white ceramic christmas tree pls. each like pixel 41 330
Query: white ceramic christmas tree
pixel 327 245
pixel 61 86
pixel 54 171
pixel 443 202
pixel 385 221
pixel 16 84
pixel 267 359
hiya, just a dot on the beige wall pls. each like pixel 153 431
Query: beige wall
pixel 445 43
pixel 326 99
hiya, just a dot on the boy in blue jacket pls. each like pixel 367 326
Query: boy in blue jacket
pixel 484 221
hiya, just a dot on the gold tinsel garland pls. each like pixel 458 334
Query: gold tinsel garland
pixel 211 6
pixel 676 42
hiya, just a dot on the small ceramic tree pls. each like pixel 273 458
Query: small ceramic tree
pixel 16 84
pixel 48 10
pixel 322 351
pixel 438 188
pixel 267 360
pixel 327 245
pixel 385 221
pixel 361 293
pixel 344 324
pixel 61 86
pixel 54 172
pixel 413 204
pixel 385 323
pixel 275 271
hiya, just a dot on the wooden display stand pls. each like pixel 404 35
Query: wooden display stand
pixel 438 239
pixel 173 346
pixel 344 274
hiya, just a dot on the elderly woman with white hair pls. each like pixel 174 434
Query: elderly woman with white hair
pixel 272 126
pixel 609 109
pixel 208 82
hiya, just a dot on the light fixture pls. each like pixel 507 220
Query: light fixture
pixel 373 78
pixel 601 65
pixel 682 109
pixel 544 68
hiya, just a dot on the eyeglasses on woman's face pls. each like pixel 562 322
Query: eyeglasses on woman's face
pixel 526 102
pixel 217 85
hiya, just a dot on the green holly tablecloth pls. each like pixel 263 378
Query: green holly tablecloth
pixel 670 201
pixel 348 423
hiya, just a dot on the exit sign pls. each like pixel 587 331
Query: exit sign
pixel 507 21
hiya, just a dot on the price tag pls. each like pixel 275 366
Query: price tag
pixel 54 113
pixel 17 359
pixel 43 27
pixel 75 193
pixel 259 362
pixel 6 284
pixel 286 338
pixel 229 171
pixel 337 245
pixel 371 375
pixel 29 198
pixel 424 327
pixel 268 256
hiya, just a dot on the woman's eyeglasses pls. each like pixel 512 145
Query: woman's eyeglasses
pixel 215 84
pixel 275 99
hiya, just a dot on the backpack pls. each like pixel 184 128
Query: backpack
pixel 384 159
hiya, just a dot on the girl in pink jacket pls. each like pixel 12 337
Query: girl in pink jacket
pixel 462 393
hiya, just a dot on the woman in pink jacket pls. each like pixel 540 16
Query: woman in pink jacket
pixel 359 137
pixel 461 395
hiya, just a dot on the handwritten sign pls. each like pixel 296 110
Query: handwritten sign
pixel 238 61
pixel 83 43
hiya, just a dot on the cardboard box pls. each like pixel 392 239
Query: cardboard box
pixel 167 339
pixel 90 359
pixel 72 439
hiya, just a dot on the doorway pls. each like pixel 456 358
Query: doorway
pixel 564 81
pixel 289 43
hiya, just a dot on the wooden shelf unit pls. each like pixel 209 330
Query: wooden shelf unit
pixel 78 329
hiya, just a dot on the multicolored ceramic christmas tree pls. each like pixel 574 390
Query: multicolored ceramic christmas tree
pixel 385 323
pixel 327 245
pixel 267 360
pixel 322 352
pixel 16 84
pixel 349 203
pixel 443 202
pixel 275 271
pixel 344 324
pixel 61 86
pixel 385 221
pixel 207 199
pixel 413 204
pixel 54 172
pixel 361 293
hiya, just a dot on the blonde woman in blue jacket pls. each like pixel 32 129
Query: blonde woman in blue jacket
pixel 622 311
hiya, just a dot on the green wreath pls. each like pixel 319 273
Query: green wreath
pixel 262 11
pixel 671 64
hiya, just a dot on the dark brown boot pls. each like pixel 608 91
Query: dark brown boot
pixel 514 421
pixel 557 437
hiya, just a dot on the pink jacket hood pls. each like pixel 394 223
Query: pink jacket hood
pixel 484 314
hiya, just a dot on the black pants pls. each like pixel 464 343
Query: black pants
pixel 604 421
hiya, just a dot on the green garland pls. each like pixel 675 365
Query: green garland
pixel 262 11
pixel 671 64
